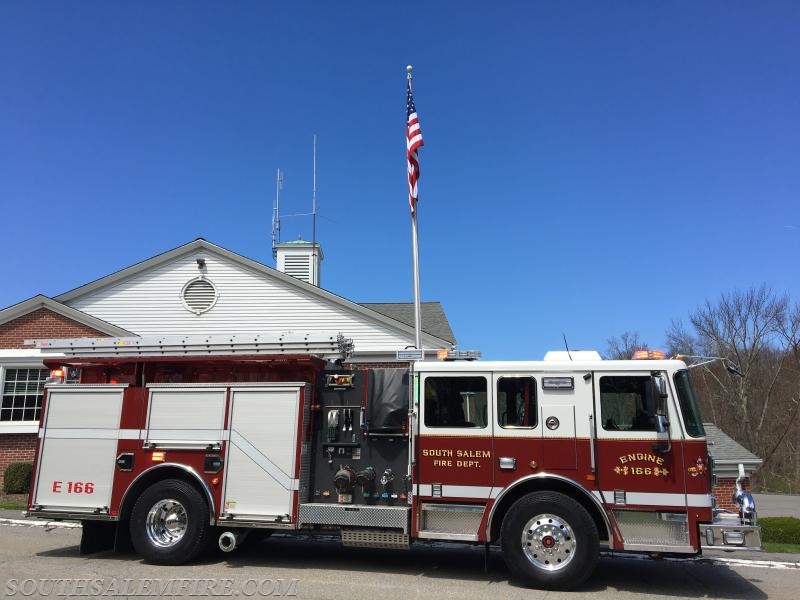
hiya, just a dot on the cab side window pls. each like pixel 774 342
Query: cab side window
pixel 626 404
pixel 516 402
pixel 456 402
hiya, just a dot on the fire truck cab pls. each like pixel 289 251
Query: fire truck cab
pixel 171 444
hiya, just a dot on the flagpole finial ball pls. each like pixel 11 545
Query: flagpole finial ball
pixel 409 68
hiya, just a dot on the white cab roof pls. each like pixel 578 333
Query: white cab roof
pixel 548 366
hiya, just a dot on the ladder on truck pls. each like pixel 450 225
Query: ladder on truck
pixel 323 344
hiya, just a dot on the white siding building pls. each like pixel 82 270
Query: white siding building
pixel 200 288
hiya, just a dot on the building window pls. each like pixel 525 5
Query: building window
pixel 22 394
pixel 516 402
pixel 456 402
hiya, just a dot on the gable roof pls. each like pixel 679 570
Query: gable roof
pixel 434 321
pixel 728 453
pixel 200 244
pixel 38 302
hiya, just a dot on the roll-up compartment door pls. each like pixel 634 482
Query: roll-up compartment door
pixel 260 475
pixel 186 416
pixel 78 447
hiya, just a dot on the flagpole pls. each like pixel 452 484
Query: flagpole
pixel 415 260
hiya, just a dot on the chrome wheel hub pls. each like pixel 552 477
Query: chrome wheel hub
pixel 548 542
pixel 166 523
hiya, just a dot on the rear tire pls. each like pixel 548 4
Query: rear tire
pixel 170 523
pixel 549 541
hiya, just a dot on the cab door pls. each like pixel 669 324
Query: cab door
pixel 639 469
pixel 518 427
pixel 454 446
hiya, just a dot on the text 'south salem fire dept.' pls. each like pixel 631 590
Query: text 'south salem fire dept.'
pixel 169 443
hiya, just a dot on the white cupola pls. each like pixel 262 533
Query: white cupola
pixel 300 259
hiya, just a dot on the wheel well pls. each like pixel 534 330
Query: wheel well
pixel 160 473
pixel 541 484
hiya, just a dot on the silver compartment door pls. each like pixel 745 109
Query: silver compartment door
pixel 78 448
pixel 186 416
pixel 262 454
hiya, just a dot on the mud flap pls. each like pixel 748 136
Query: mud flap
pixel 97 536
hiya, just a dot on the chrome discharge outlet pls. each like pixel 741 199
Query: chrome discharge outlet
pixel 229 541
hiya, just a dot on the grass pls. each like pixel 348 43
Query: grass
pixel 781 548
pixel 780 534
pixel 13 501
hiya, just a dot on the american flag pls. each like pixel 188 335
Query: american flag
pixel 413 142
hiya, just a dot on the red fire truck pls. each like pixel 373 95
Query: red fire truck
pixel 169 444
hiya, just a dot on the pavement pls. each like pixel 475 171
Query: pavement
pixel 777 505
pixel 325 570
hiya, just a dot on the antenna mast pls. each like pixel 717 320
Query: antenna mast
pixel 314 201
pixel 276 215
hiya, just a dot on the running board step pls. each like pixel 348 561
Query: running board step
pixel 375 538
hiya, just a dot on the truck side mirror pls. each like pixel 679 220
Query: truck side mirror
pixel 660 394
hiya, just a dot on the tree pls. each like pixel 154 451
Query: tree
pixel 622 347
pixel 755 330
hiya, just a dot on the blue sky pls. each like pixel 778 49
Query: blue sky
pixel 589 168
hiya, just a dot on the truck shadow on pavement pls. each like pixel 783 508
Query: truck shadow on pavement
pixel 681 579
pixel 290 554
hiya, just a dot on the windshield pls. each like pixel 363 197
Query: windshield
pixel 691 412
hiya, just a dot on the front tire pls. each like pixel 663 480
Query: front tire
pixel 549 541
pixel 170 523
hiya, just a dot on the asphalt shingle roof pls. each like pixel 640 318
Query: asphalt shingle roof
pixel 434 321
pixel 725 449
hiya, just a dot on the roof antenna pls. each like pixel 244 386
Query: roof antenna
pixel 314 202
pixel 276 216
pixel 564 335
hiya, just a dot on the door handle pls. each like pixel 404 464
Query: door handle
pixel 508 463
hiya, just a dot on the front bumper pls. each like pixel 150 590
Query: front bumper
pixel 726 532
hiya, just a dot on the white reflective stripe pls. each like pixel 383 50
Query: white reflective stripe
pixel 459 491
pixel 184 434
pixel 266 465
pixel 71 433
pixel 659 499
pixel 698 500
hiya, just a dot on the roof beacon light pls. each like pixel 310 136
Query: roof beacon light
pixel 56 376
pixel 648 355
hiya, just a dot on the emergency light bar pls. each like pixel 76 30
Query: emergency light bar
pixel 414 354
pixel 648 355
pixel 458 355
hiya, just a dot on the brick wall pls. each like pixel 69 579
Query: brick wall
pixel 15 447
pixel 41 323
pixel 723 492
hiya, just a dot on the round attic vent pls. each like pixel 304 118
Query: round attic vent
pixel 199 295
